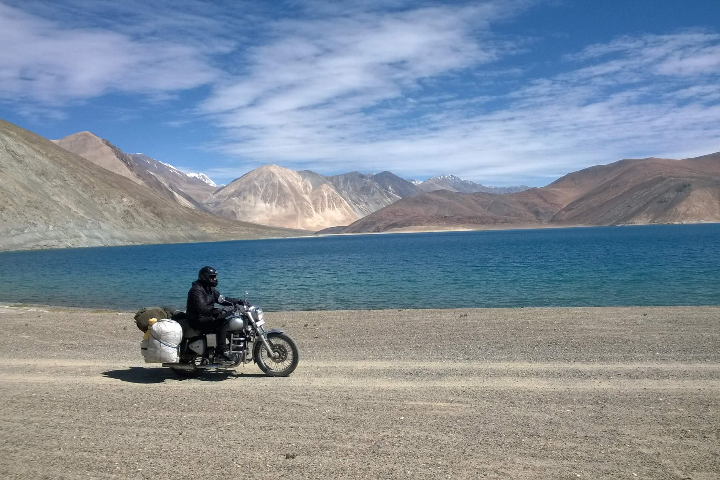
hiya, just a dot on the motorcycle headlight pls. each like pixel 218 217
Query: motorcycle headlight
pixel 259 315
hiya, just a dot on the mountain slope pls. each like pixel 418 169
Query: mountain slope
pixel 272 195
pixel 139 168
pixel 626 192
pixel 443 208
pixel 368 193
pixel 457 184
pixel 52 198
pixel 196 188
pixel 650 190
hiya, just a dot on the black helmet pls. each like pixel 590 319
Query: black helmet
pixel 208 276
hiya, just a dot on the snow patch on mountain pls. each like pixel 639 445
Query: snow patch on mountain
pixel 175 170
pixel 202 177
pixel 453 178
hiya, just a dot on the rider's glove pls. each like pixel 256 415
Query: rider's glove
pixel 227 310
pixel 244 303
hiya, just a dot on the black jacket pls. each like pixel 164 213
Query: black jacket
pixel 201 301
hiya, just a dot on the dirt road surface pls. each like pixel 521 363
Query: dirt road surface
pixel 507 393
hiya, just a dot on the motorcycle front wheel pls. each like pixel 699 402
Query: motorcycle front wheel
pixel 286 361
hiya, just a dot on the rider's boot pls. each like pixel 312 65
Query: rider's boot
pixel 226 357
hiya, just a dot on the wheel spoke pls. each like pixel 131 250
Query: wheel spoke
pixel 286 354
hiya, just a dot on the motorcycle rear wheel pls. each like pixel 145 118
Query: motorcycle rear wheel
pixel 288 353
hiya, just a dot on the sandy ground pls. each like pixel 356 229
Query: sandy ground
pixel 485 393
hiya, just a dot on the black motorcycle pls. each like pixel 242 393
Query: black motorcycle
pixel 274 352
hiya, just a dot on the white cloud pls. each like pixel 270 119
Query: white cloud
pixel 416 88
pixel 325 95
pixel 44 62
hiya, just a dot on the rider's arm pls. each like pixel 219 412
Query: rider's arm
pixel 222 300
pixel 197 298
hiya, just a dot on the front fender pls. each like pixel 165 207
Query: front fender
pixel 258 342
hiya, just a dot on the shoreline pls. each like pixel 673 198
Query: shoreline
pixel 310 234
pixel 63 308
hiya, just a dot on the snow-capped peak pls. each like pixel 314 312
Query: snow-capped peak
pixel 175 170
pixel 202 177
pixel 451 178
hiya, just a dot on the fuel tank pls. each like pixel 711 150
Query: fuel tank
pixel 236 324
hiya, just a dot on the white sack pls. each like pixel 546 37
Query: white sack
pixel 162 347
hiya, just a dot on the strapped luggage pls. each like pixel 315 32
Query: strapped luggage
pixel 163 344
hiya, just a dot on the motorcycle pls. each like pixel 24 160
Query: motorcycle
pixel 274 352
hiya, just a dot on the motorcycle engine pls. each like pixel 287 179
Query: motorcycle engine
pixel 198 346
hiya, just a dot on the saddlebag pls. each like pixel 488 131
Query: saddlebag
pixel 143 316
pixel 163 343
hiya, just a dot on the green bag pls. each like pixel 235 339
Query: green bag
pixel 143 316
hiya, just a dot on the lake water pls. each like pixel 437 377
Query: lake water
pixel 602 266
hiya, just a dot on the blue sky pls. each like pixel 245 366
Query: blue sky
pixel 499 92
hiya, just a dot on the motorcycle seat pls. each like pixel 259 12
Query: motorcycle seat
pixel 188 331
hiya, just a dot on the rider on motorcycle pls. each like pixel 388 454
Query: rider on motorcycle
pixel 202 314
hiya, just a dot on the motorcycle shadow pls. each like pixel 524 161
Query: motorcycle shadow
pixel 160 375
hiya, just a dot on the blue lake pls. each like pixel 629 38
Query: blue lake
pixel 603 266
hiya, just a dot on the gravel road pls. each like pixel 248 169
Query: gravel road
pixel 472 393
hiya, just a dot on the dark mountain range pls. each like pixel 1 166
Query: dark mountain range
pixel 643 191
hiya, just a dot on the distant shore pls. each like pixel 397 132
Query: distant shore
pixel 482 228
pixel 58 243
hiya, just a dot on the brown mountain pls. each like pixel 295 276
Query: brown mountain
pixel 650 190
pixel 141 169
pixel 643 191
pixel 273 195
pixel 52 198
pixel 445 209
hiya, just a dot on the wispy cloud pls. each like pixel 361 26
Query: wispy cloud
pixel 46 63
pixel 419 88
pixel 333 97
pixel 337 88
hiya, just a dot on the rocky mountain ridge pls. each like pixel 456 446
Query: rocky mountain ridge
pixel 272 195
pixel 626 192
pixel 642 191
pixel 158 176
pixel 51 198
pixel 269 195
pixel 453 183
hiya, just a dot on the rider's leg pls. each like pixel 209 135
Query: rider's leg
pixel 223 349
pixel 220 327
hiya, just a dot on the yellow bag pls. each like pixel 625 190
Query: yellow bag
pixel 150 322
